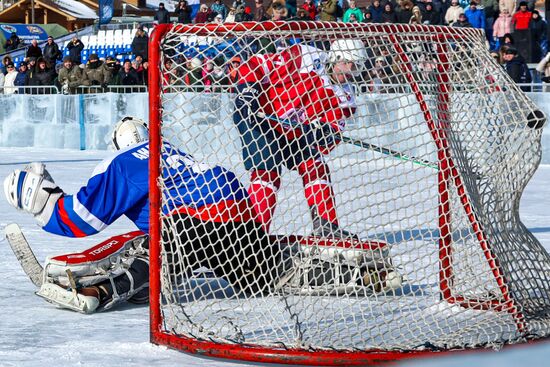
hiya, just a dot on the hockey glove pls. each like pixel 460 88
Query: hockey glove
pixel 33 190
pixel 320 133
pixel 247 101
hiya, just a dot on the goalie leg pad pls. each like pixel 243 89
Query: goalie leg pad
pixel 113 271
pixel 330 270
pixel 98 263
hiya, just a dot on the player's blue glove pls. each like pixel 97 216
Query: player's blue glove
pixel 320 133
pixel 247 102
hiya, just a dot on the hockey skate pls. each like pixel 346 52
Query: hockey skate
pixel 325 229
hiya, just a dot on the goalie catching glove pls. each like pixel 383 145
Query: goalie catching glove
pixel 33 190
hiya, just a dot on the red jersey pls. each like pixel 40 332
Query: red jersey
pixel 296 86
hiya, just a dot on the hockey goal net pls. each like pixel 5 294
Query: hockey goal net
pixel 440 147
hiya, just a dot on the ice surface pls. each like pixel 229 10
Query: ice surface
pixel 33 332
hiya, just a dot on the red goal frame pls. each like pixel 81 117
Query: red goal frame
pixel 447 173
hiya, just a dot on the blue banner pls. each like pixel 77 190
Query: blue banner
pixel 25 32
pixel 105 11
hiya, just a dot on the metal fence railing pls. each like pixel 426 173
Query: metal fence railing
pixel 50 89
pixel 96 89
pixel 382 88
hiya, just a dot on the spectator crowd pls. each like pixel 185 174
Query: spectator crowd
pixel 44 69
pixel 507 24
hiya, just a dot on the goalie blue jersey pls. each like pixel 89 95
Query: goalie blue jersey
pixel 120 186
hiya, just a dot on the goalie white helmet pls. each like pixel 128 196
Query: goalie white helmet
pixel 348 50
pixel 129 131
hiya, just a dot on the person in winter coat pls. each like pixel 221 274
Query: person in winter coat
pixel 144 76
pixel 328 10
pixel 475 16
pixel 246 15
pixel 516 68
pixel 12 43
pixel 127 75
pixel 376 10
pixel 21 78
pixel 353 9
pixel 162 16
pixel 41 75
pixel 301 16
pixel 51 52
pixel 70 76
pixel 277 10
pixel 9 79
pixel 75 50
pixel 204 15
pixel 502 26
pixel 430 15
pixel 405 14
pixel 453 12
pixel 310 8
pixel 5 61
pixel 416 17
pixel 140 43
pixel 522 18
pixel 462 22
pixel 538 27
pixel 389 15
pixel 219 8
pixel 183 12
pixel 34 50
pixel 96 73
pixel 367 17
pixel 490 10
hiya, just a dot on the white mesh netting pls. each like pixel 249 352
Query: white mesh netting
pixel 472 273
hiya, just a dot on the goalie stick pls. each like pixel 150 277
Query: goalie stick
pixel 24 254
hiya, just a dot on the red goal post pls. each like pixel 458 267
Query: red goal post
pixel 474 127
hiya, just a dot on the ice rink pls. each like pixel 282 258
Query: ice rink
pixel 33 332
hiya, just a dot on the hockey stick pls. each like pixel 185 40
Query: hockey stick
pixel 361 144
pixel 24 254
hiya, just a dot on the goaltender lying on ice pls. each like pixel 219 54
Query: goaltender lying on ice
pixel 207 207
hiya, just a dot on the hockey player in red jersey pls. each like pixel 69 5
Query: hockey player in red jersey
pixel 289 110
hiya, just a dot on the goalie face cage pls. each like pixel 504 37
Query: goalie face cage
pixel 474 277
